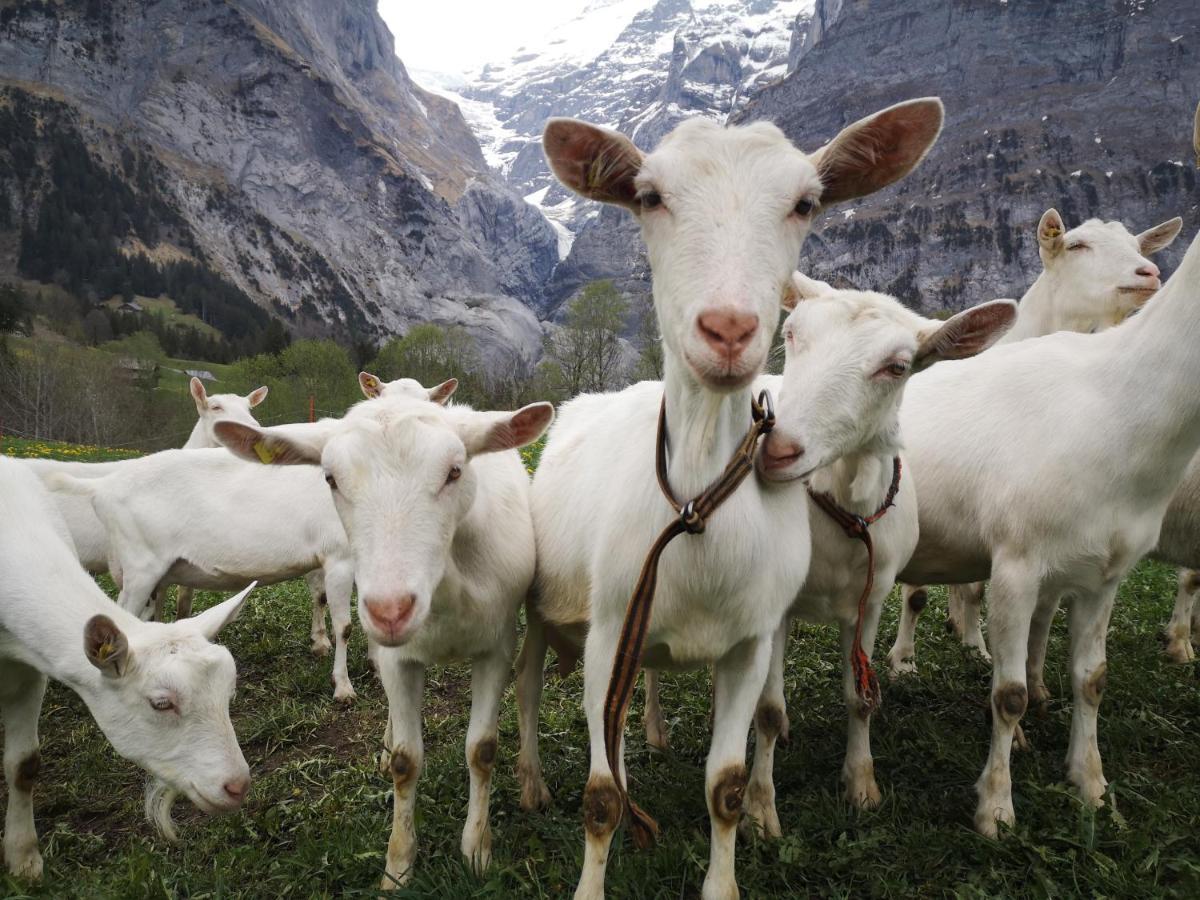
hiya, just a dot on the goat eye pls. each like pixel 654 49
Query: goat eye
pixel 454 474
pixel 331 481
pixel 894 370
pixel 216 408
pixel 1079 246
pixel 650 199
pixel 162 704
pixel 804 207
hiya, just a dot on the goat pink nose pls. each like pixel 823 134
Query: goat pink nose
pixel 1150 270
pixel 237 788
pixel 390 613
pixel 780 451
pixel 727 331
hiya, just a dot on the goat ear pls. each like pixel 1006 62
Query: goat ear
pixel 1160 236
pixel 268 446
pixel 801 287
pixel 257 396
pixel 493 431
pixel 210 622
pixel 371 386
pixel 596 162
pixel 969 332
pixel 1050 231
pixel 441 393
pixel 877 150
pixel 199 394
pixel 106 646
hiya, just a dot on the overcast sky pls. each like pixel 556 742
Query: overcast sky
pixel 462 35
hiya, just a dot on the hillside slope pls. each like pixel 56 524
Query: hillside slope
pixel 294 157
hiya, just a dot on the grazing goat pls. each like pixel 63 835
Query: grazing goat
pixel 1093 277
pixel 436 504
pixel 1049 465
pixel 849 355
pixel 723 212
pixel 160 693
pixel 206 520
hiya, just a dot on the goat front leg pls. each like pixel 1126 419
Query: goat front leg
pixel 183 602
pixel 1035 663
pixel 20 705
pixel 339 587
pixel 738 677
pixel 489 676
pixel 602 807
pixel 404 684
pixel 1179 629
pixel 653 720
pixel 319 637
pixel 531 677
pixel 1014 598
pixel 770 717
pixel 858 768
pixel 1088 616
pixel 902 658
pixel 966 604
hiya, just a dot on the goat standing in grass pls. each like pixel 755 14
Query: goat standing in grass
pixel 724 212
pixel 1095 276
pixel 435 502
pixel 160 693
pixel 1048 465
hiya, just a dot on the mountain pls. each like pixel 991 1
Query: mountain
pixel 636 65
pixel 279 147
pixel 1085 105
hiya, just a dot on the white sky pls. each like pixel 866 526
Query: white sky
pixel 461 35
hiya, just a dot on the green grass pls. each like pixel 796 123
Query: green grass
pixel 32 449
pixel 318 818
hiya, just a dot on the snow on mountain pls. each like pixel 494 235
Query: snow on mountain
pixel 636 65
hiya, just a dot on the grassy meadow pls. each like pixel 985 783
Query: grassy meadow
pixel 318 817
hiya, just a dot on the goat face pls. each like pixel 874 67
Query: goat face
pixel 724 212
pixel 400 473
pixel 1102 267
pixel 848 356
pixel 163 702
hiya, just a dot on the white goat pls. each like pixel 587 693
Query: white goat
pixel 849 355
pixel 160 693
pixel 206 520
pixel 1055 492
pixel 723 212
pixel 87 531
pixel 438 518
pixel 1094 277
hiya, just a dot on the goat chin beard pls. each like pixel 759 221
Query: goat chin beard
pixel 160 797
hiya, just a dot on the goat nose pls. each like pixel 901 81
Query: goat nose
pixel 727 331
pixel 779 451
pixel 390 613
pixel 237 788
pixel 1149 270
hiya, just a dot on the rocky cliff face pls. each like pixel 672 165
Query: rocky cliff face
pixel 1079 104
pixel 305 164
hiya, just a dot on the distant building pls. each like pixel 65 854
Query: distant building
pixel 131 306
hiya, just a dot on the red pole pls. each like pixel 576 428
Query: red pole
pixel 311 408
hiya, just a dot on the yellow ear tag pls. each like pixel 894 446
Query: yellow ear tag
pixel 105 651
pixel 264 452
pixel 1052 231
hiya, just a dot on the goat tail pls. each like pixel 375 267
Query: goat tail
pixel 62 483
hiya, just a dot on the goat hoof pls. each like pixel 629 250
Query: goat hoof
pixel 345 696
pixel 900 666
pixel 320 649
pixel 26 866
pixel 534 793
pixel 1180 651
